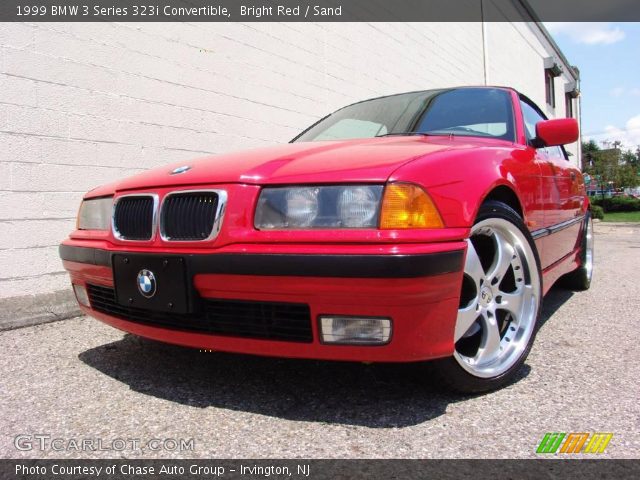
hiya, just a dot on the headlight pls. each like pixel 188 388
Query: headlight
pixel 358 206
pixel 302 206
pixel 95 214
pixel 352 206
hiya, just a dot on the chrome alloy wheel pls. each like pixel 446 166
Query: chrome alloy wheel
pixel 499 301
pixel 588 254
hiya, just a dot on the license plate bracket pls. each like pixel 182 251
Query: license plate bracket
pixel 152 282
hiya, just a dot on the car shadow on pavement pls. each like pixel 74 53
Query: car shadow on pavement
pixel 553 300
pixel 376 395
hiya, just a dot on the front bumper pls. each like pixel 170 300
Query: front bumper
pixel 416 286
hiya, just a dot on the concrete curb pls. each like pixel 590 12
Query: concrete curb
pixel 28 310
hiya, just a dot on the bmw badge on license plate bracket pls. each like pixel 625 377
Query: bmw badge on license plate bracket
pixel 151 282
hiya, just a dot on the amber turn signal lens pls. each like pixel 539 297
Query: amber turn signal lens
pixel 408 206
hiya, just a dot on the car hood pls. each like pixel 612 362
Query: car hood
pixel 355 161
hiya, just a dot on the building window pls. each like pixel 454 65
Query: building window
pixel 552 69
pixel 571 93
pixel 549 87
pixel 568 105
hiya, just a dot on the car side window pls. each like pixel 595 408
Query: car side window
pixel 530 116
pixel 556 152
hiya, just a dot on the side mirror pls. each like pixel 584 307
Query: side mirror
pixel 560 131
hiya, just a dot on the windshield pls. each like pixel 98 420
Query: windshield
pixel 481 112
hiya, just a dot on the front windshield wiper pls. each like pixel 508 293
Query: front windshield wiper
pixel 397 134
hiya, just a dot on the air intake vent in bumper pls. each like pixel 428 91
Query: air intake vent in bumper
pixel 289 322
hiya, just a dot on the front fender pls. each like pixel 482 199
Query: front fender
pixel 460 181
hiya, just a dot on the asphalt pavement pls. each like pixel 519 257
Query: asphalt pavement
pixel 75 383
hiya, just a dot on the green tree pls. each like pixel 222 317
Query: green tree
pixel 626 176
pixel 630 158
pixel 589 152
pixel 610 166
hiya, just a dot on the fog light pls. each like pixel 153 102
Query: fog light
pixel 355 330
pixel 81 295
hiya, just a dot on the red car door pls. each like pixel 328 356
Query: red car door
pixel 561 194
pixel 556 188
pixel 561 180
pixel 548 205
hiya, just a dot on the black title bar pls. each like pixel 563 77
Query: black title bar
pixel 319 10
pixel 583 469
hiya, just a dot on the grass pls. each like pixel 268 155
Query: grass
pixel 622 217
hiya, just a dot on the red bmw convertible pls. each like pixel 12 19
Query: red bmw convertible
pixel 419 226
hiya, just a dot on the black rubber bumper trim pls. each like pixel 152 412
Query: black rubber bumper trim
pixel 338 266
pixel 92 256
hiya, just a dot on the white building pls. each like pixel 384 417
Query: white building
pixel 83 104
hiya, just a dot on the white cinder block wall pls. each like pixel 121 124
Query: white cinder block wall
pixel 84 104
pixel 516 53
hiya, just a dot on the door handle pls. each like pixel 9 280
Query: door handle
pixel 572 175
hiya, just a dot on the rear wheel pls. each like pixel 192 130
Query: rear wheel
pixel 499 303
pixel 580 279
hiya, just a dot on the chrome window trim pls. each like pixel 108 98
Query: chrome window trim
pixel 154 220
pixel 217 224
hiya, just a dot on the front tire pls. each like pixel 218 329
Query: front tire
pixel 500 303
